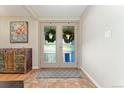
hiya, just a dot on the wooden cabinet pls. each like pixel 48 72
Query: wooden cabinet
pixel 15 60
pixel 1 61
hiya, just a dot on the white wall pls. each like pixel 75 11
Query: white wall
pixel 103 58
pixel 33 36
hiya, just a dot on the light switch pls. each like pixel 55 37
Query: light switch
pixel 108 34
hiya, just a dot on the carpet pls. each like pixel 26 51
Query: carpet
pixel 58 73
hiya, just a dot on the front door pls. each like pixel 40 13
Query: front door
pixel 58 45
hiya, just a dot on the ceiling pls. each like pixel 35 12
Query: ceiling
pixel 13 10
pixel 42 10
pixel 59 10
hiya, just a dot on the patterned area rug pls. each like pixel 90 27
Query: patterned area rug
pixel 58 73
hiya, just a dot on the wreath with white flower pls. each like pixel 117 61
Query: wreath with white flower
pixel 50 36
pixel 68 35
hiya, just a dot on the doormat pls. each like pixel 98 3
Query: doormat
pixel 58 73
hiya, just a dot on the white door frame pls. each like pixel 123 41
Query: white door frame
pixel 59 34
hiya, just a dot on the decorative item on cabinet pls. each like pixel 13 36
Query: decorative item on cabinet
pixel 15 60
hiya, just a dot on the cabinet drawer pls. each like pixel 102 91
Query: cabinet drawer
pixel 1 60
pixel 19 58
pixel 20 52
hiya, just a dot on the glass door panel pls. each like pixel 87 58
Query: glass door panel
pixel 49 44
pixel 58 45
pixel 68 43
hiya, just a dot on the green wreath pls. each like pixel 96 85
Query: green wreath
pixel 47 35
pixel 70 34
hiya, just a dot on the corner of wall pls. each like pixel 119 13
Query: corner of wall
pixel 90 77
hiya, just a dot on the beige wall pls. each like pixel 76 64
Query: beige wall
pixel 33 36
pixel 103 58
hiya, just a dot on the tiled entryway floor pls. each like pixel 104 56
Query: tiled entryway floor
pixel 32 82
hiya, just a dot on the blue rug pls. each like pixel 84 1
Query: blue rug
pixel 58 73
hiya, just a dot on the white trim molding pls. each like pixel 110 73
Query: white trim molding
pixel 90 77
pixel 33 14
pixel 59 18
pixel 35 67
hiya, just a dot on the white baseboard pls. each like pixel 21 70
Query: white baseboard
pixel 89 76
pixel 35 67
